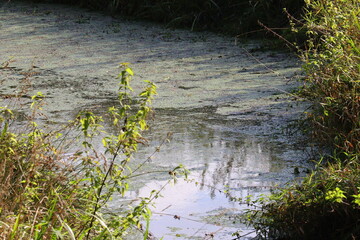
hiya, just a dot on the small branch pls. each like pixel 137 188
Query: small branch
pixel 97 205
pixel 277 35
pixel 156 150
pixel 255 31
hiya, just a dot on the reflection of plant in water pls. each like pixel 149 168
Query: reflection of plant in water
pixel 47 193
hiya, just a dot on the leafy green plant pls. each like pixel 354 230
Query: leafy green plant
pixel 332 67
pixel 47 193
pixel 326 204
pixel 336 195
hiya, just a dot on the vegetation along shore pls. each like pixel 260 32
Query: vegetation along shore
pixel 49 193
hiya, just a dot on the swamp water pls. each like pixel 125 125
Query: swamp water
pixel 225 103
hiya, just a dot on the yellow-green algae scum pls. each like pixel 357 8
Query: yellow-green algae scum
pixel 82 50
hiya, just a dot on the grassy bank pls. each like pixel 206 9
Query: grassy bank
pixel 326 205
pixel 225 16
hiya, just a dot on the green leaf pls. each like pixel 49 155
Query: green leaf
pixel 336 195
pixel 15 227
pixel 128 70
pixel 357 199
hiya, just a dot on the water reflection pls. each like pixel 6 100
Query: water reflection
pixel 220 156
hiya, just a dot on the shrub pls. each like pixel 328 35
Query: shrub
pixel 49 193
pixel 326 204
pixel 333 73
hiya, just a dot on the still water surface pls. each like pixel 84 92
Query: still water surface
pixel 221 154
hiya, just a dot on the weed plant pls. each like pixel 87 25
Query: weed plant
pixel 332 65
pixel 326 204
pixel 49 193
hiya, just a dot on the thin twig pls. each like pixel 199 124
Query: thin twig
pixel 277 74
pixel 276 34
pixel 98 196
pixel 157 149
pixel 255 31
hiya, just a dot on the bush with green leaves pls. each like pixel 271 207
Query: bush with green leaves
pixel 49 193
pixel 326 204
pixel 332 72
